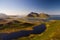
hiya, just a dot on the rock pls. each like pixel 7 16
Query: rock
pixel 33 14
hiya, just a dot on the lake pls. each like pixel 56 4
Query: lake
pixel 23 33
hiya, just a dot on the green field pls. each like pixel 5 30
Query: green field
pixel 52 31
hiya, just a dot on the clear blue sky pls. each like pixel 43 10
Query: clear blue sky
pixel 23 7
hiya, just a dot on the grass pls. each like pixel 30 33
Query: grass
pixel 52 32
pixel 13 27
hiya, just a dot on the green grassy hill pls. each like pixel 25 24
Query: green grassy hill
pixel 51 33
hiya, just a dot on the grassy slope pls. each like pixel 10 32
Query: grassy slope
pixel 15 27
pixel 52 32
pixel 49 34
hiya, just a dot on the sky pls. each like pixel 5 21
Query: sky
pixel 24 7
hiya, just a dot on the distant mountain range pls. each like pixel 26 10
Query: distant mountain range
pixel 41 15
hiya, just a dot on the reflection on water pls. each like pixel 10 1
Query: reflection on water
pixel 23 33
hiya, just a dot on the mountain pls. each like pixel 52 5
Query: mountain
pixel 3 16
pixel 41 15
pixel 33 14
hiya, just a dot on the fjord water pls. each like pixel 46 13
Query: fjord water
pixel 54 17
pixel 23 33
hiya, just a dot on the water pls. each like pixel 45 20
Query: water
pixel 54 17
pixel 23 33
pixel 39 29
